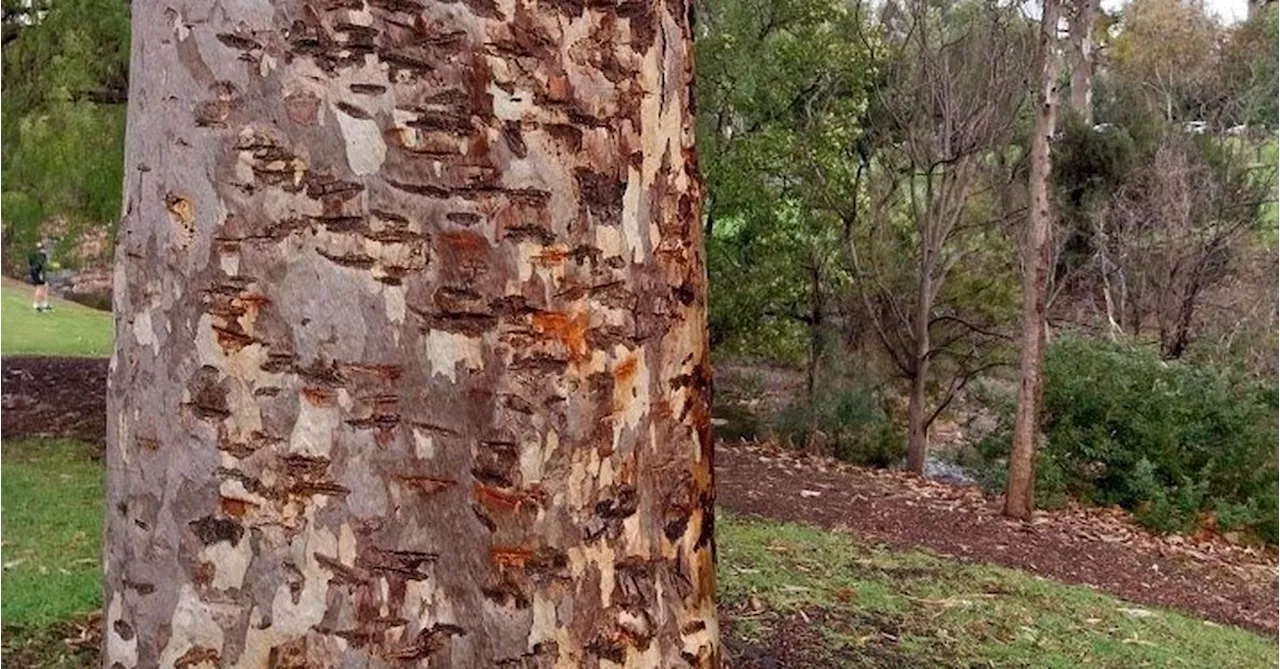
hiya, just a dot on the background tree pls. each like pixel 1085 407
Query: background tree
pixel 411 358
pixel 1178 227
pixel 1164 57
pixel 1081 16
pixel 948 107
pixel 775 78
pixel 1037 241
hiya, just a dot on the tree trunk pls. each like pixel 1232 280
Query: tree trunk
pixel 411 356
pixel 815 334
pixel 917 416
pixel 1081 34
pixel 1036 251
pixel 917 431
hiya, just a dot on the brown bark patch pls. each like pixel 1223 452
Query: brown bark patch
pixel 197 655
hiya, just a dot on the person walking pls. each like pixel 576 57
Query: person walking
pixel 39 261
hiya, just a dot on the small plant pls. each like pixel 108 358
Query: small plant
pixel 1176 443
pixel 848 423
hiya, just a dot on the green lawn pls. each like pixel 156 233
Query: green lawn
pixel 861 606
pixel 52 492
pixel 854 605
pixel 69 330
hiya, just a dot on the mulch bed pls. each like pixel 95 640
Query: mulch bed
pixel 54 397
pixel 65 397
pixel 1102 548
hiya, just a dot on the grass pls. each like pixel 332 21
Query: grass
pixel 879 608
pixel 53 492
pixel 828 599
pixel 69 330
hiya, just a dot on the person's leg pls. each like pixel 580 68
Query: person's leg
pixel 42 297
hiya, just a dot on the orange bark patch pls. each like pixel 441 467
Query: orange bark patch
pixel 236 508
pixel 570 331
pixel 552 255
pixel 626 370
pixel 510 556
pixel 230 340
pixel 250 304
pixel 321 397
pixel 497 500
pixel 559 88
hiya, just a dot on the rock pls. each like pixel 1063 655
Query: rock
pixel 947 472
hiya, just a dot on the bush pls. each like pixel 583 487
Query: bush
pixel 848 423
pixel 1175 443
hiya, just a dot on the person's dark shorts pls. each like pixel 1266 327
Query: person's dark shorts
pixel 37 279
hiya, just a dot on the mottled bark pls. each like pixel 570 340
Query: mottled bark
pixel 411 357
pixel 1037 243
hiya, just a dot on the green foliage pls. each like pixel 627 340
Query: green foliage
pixel 1250 70
pixel 848 422
pixel 775 80
pixel 769 276
pixel 1169 440
pixel 65 77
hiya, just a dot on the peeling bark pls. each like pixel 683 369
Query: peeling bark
pixel 411 359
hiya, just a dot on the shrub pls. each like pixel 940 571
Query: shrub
pixel 848 423
pixel 1170 441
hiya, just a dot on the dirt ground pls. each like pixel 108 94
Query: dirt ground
pixel 1097 548
pixel 54 397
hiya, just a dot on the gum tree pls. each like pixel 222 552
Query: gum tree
pixel 411 359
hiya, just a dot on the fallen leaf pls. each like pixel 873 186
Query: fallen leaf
pixel 1136 613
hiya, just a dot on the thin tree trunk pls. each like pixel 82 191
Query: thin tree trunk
pixel 411 358
pixel 917 430
pixel 917 415
pixel 815 334
pixel 1081 34
pixel 1036 250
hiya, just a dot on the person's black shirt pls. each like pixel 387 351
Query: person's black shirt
pixel 37 261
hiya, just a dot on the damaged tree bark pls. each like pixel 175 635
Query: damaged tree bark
pixel 411 357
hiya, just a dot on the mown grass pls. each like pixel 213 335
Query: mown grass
pixel 854 605
pixel 69 330
pixel 881 608
pixel 52 492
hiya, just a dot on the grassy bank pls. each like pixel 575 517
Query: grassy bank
pixel 69 330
